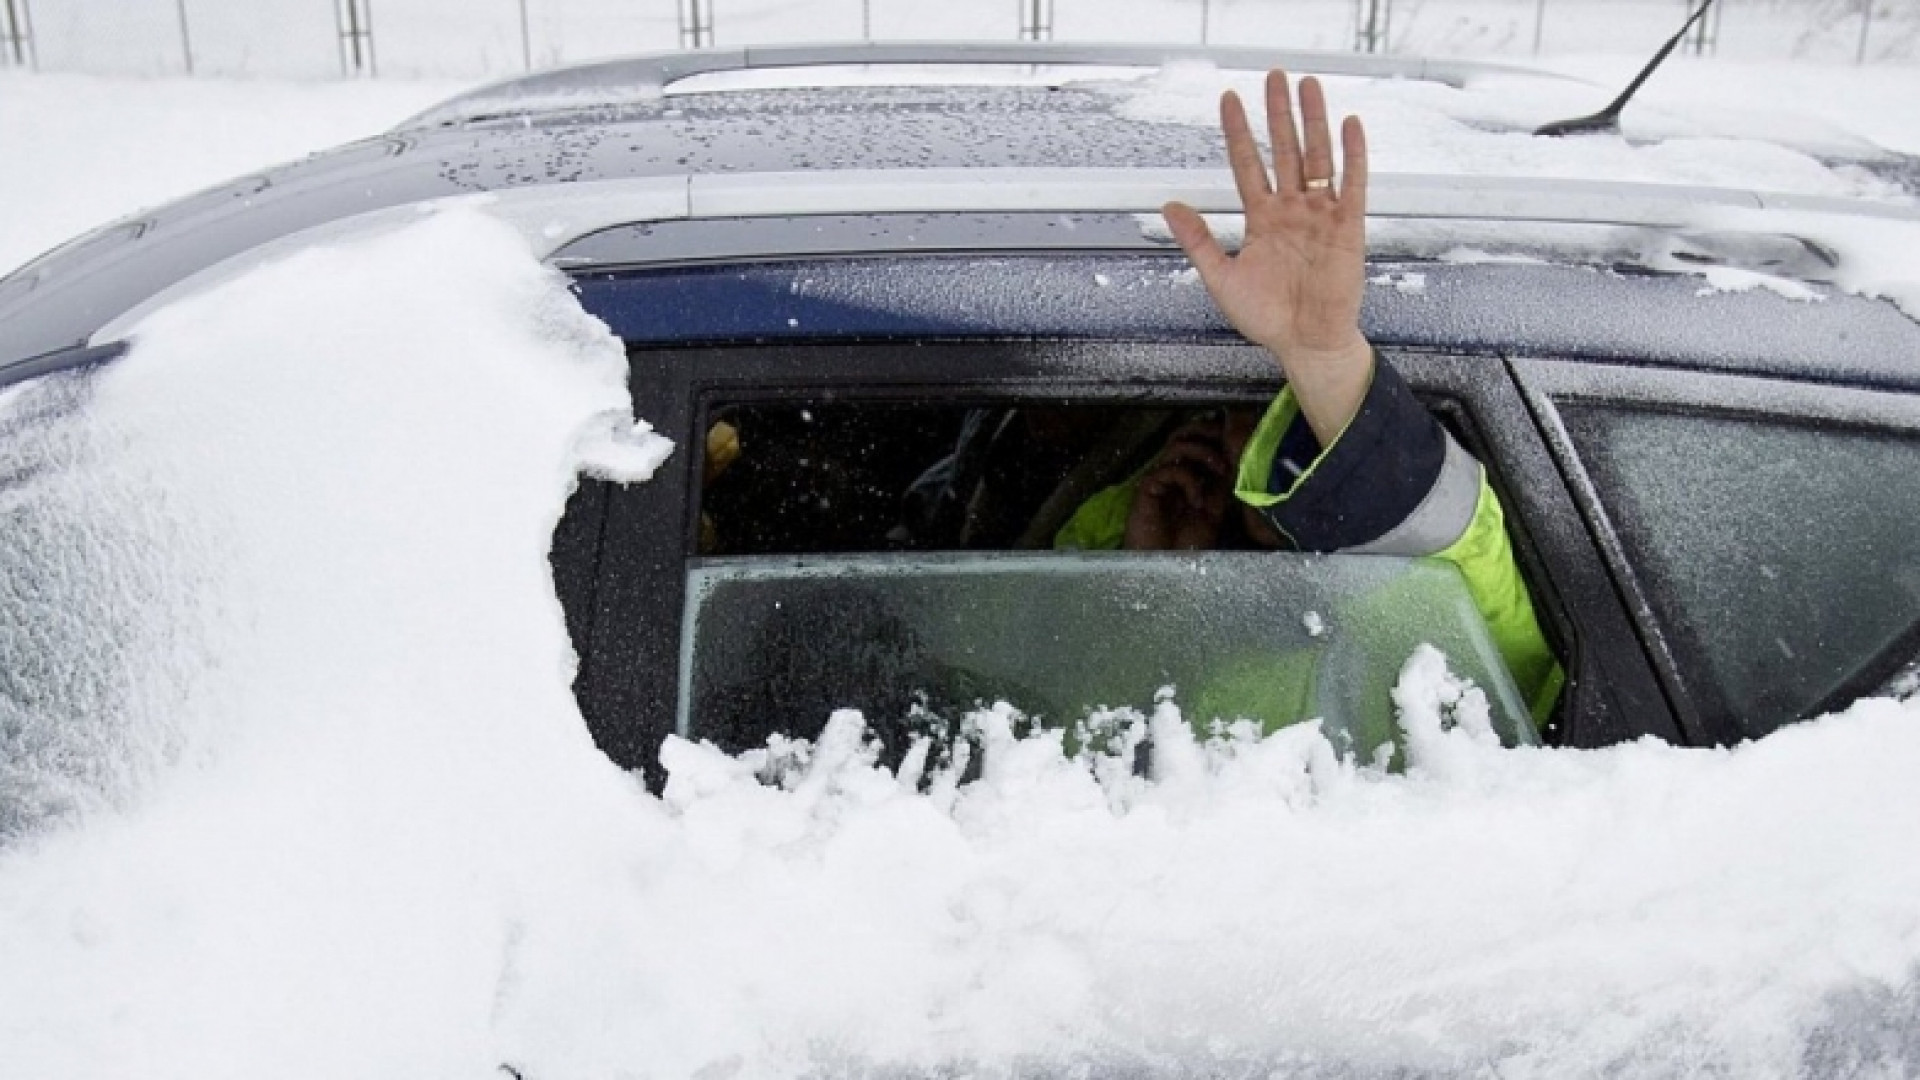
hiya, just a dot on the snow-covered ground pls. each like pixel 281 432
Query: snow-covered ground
pixel 311 803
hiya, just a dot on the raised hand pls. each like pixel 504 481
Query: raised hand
pixel 1296 285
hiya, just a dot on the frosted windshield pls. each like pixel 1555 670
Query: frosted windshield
pixel 774 645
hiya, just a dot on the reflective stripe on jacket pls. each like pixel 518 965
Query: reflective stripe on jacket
pixel 1393 482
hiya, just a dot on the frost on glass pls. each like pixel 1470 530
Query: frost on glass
pixel 773 646
pixel 1781 559
pixel 98 616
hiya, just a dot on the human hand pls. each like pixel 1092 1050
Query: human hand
pixel 1296 285
pixel 1182 498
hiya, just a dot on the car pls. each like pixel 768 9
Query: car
pixel 904 322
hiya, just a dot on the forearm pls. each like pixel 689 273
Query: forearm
pixel 1328 385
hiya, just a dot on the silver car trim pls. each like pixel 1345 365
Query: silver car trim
pixel 645 77
pixel 551 216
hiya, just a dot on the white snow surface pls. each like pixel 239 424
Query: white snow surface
pixel 77 151
pixel 332 810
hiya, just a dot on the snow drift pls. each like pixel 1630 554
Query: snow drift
pixel 294 786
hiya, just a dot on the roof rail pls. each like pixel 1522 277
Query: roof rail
pixel 553 216
pixel 642 78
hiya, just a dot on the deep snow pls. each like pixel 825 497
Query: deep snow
pixel 308 796
pixel 334 811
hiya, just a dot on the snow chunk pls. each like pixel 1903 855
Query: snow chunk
pixel 1876 254
pixel 1411 283
pixel 624 450
pixel 1733 279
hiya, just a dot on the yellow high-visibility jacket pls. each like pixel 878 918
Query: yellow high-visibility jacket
pixel 1393 482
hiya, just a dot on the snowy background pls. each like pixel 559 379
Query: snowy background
pixel 468 38
pixel 311 803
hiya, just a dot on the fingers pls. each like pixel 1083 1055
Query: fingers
pixel 1198 451
pixel 1353 180
pixel 1317 155
pixel 1249 171
pixel 1191 233
pixel 1169 479
pixel 1281 130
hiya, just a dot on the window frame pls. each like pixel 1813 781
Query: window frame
pixel 1546 384
pixel 628 681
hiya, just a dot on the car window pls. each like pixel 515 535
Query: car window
pixel 774 645
pixel 868 553
pixel 840 476
pixel 1780 558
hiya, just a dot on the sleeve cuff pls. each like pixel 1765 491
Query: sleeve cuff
pixel 1387 483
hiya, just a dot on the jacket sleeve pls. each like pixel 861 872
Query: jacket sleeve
pixel 1394 482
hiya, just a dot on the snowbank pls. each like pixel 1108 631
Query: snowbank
pixel 307 795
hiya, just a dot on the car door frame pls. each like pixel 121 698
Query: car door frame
pixel 627 683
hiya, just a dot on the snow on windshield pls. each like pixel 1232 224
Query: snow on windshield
pixel 294 786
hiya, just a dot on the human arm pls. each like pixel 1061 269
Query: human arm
pixel 1296 284
pixel 1346 458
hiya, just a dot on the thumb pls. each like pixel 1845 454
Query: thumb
pixel 1191 233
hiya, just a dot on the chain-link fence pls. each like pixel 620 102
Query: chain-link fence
pixel 469 38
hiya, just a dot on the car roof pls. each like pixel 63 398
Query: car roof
pixel 578 154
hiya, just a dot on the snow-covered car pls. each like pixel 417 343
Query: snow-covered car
pixel 842 258
pixel 279 490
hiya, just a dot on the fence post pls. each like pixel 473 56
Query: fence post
pixel 1205 13
pixel 1539 25
pixel 186 35
pixel 354 20
pixel 866 20
pixel 696 24
pixel 16 35
pixel 1373 25
pixel 1866 24
pixel 1705 39
pixel 526 39
pixel 1036 20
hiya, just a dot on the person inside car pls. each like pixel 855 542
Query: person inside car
pixel 1345 458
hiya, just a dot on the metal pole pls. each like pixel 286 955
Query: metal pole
pixel 354 18
pixel 696 24
pixel 1866 23
pixel 1539 25
pixel 350 38
pixel 1205 10
pixel 1036 23
pixel 1706 33
pixel 1369 32
pixel 526 39
pixel 866 20
pixel 10 36
pixel 186 36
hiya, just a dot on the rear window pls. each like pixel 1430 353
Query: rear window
pixel 1781 559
